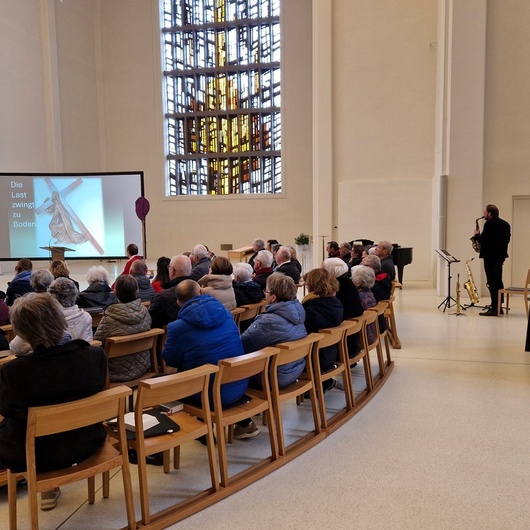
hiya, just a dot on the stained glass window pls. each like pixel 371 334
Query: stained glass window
pixel 222 80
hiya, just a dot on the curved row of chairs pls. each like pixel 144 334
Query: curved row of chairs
pixel 195 421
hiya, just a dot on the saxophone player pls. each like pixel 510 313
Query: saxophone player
pixel 493 241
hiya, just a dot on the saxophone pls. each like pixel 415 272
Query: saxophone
pixel 476 244
pixel 470 286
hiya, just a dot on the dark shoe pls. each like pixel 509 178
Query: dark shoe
pixel 202 439
pixel 156 459
pixel 48 499
pixel 489 313
pixel 328 385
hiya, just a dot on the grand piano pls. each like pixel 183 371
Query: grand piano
pixel 402 256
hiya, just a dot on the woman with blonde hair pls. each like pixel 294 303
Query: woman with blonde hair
pixel 60 269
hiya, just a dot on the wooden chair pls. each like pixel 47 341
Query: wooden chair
pixel 8 330
pixel 121 346
pixel 154 392
pixel 359 323
pixel 236 313
pixel 384 336
pixel 370 318
pixel 524 291
pixel 391 324
pixel 235 369
pixel 290 352
pixel 252 310
pixel 330 337
pixel 51 419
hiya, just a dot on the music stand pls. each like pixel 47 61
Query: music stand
pixel 449 259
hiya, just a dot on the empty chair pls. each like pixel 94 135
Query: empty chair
pixel 63 417
pixel 165 389
pixel 235 369
pixel 513 291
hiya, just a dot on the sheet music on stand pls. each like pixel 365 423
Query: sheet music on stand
pixel 449 258
pixel 446 256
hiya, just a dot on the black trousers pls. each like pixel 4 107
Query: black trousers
pixel 493 270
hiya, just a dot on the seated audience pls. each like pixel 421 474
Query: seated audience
pixel 60 269
pixel 57 371
pixel 384 252
pixel 349 298
pixel 383 284
pixel 40 280
pixel 98 293
pixel 200 261
pixel 78 321
pixel 294 260
pixel 274 249
pixel 284 265
pixel 258 245
pixel 4 309
pixel 126 317
pixel 204 332
pixel 323 310
pixel 247 291
pixel 145 289
pixel 262 267
pixel 19 285
pixel 356 256
pixel 332 248
pixel 283 321
pixel 218 283
pixel 162 274
pixel 164 308
pixel 364 278
pixel 345 252
pixel 270 243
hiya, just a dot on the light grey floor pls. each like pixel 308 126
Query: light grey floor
pixel 443 445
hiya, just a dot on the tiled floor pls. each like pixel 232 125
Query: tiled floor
pixel 443 445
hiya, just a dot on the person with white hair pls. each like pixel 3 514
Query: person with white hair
pixel 263 267
pixel 79 322
pixel 363 278
pixel 201 262
pixel 258 245
pixel 247 291
pixel 383 284
pixel 40 280
pixel 384 252
pixel 98 293
pixel 283 260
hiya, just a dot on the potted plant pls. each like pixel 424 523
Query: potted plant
pixel 303 250
pixel 302 240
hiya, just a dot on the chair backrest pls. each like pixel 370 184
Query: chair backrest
pixel 173 387
pixel 51 419
pixel 527 284
pixel 356 327
pixel 236 313
pixel 294 350
pixel 334 335
pixel 367 318
pixel 380 307
pixel 243 366
pixel 118 346
pixel 252 310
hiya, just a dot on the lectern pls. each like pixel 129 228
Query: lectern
pixel 57 253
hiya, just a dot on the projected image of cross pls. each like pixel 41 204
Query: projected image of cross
pixel 61 226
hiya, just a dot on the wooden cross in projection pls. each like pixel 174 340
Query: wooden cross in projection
pixel 62 194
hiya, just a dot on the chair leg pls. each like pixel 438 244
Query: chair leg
pixel 12 499
pixel 91 489
pixel 106 484
pixel 176 457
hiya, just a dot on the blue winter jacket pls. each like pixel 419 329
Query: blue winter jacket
pixel 204 332
pixel 282 322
